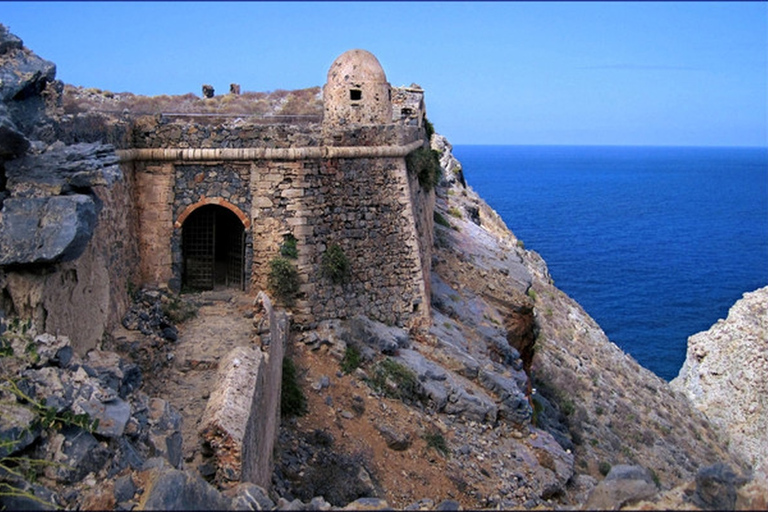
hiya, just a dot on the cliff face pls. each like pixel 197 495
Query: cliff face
pixel 725 375
pixel 595 399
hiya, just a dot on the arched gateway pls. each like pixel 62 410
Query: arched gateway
pixel 213 249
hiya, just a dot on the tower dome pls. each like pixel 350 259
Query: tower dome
pixel 357 91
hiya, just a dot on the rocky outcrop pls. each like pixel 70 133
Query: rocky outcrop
pixel 80 418
pixel 66 225
pixel 725 375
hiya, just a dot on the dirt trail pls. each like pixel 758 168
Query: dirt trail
pixel 223 321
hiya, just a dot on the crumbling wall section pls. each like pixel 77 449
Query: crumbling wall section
pixel 241 420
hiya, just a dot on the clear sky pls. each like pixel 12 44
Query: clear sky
pixel 666 73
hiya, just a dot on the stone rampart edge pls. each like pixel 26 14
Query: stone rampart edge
pixel 250 154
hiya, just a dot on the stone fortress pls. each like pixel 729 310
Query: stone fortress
pixel 217 215
pixel 196 205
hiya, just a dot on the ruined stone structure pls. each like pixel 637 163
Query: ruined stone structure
pixel 216 203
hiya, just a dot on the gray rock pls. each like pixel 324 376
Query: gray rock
pixel 22 73
pixel 514 404
pixel 622 486
pixel 8 41
pixel 17 428
pixel 165 438
pixel 248 496
pixel 716 487
pixel 172 489
pixel 397 441
pixel 12 142
pixel 124 488
pixel 385 339
pixel 79 454
pixel 62 169
pixel 448 505
pixel 45 230
pixel 112 415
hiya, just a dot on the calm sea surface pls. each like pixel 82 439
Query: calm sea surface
pixel 656 243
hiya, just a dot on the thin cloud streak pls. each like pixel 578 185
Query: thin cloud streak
pixel 641 67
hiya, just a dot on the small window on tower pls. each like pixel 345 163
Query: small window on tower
pixel 355 94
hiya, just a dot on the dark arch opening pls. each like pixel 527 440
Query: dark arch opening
pixel 213 249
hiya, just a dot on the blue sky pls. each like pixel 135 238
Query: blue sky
pixel 666 73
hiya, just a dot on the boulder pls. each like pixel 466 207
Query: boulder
pixel 514 405
pixel 624 485
pixel 248 496
pixel 368 504
pixel 716 487
pixel 18 428
pixel 46 229
pixel 63 169
pixel 172 489
pixel 22 73
pixel 77 453
pixel 12 141
pixel 380 337
pixel 165 438
pixel 395 440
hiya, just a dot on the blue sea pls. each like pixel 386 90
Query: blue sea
pixel 656 243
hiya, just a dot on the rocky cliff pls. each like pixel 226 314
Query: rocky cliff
pixel 725 375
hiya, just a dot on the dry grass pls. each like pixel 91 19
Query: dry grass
pixel 280 102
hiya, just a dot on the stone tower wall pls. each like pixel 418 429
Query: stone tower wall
pixel 366 205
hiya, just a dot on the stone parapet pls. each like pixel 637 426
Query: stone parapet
pixel 242 416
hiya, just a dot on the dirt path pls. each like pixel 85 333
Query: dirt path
pixel 223 321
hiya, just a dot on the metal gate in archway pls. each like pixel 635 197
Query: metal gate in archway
pixel 213 249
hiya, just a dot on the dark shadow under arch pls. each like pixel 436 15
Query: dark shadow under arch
pixel 213 249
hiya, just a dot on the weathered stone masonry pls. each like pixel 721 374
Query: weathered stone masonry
pixel 346 184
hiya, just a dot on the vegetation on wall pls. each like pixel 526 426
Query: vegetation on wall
pixel 288 248
pixel 335 265
pixel 283 280
pixel 425 163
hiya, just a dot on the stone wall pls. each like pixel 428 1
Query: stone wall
pixel 362 205
pixel 364 201
pixel 154 132
pixel 241 419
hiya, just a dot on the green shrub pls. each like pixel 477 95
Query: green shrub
pixel 351 360
pixel 436 441
pixel 439 219
pixel 455 212
pixel 283 280
pixel 429 128
pixel 288 249
pixel 292 399
pixel 425 163
pixel 394 380
pixel 335 265
pixel 604 468
pixel 532 294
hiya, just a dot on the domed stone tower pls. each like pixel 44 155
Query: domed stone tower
pixel 357 91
